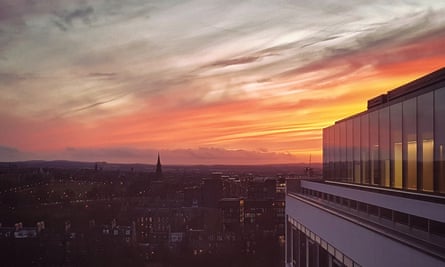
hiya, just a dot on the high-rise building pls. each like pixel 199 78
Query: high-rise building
pixel 381 201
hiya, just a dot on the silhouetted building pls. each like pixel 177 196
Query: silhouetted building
pixel 262 188
pixel 192 196
pixel 211 192
pixel 232 211
pixel 159 167
pixel 382 200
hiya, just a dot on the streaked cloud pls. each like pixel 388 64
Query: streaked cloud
pixel 222 75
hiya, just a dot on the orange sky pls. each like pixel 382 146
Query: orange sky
pixel 221 93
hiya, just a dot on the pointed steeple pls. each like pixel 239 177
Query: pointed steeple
pixel 158 167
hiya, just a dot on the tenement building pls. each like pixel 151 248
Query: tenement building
pixel 381 201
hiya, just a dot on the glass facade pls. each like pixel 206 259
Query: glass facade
pixel 398 144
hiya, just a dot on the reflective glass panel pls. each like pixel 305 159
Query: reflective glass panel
pixel 425 115
pixel 410 142
pixel 342 149
pixel 357 167
pixel 364 124
pixel 349 152
pixel 384 146
pixel 396 145
pixel 439 138
pixel 374 147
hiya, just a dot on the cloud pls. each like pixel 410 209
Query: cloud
pixel 11 78
pixel 12 154
pixel 190 74
pixel 205 156
pixel 236 61
pixel 66 19
pixel 102 74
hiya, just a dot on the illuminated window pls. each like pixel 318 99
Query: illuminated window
pixel 374 146
pixel 410 142
pixel 364 124
pixel 356 152
pixel 396 145
pixel 398 165
pixel 384 146
pixel 439 138
pixel 412 165
pixel 425 115
pixel 427 165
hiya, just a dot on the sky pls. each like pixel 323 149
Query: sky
pixel 200 81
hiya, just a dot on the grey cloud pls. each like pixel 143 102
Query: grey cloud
pixel 65 19
pixel 84 14
pixel 60 25
pixel 11 154
pixel 90 106
pixel 11 78
pixel 398 29
pixel 103 75
pixel 235 61
pixel 6 78
pixel 355 53
pixel 12 10
pixel 254 57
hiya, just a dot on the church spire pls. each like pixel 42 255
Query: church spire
pixel 158 167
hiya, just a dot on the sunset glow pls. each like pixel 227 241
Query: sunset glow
pixel 202 82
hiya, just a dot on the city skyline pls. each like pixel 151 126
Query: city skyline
pixel 199 82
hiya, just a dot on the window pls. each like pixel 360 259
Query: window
pixel 401 218
pixel 312 253
pixel 331 152
pixel 384 140
pixel 325 152
pixel 323 257
pixel 336 152
pixel 349 151
pixel 439 138
pixel 437 228
pixel 356 150
pixel 362 207
pixel 302 249
pixel 386 213
pixel 425 113
pixel 396 145
pixel 337 199
pixel 373 210
pixel 296 244
pixel 410 142
pixel 364 125
pixel 374 148
pixel 353 204
pixel 419 223
pixel 342 150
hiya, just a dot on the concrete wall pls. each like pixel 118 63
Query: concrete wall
pixel 364 246
pixel 429 210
